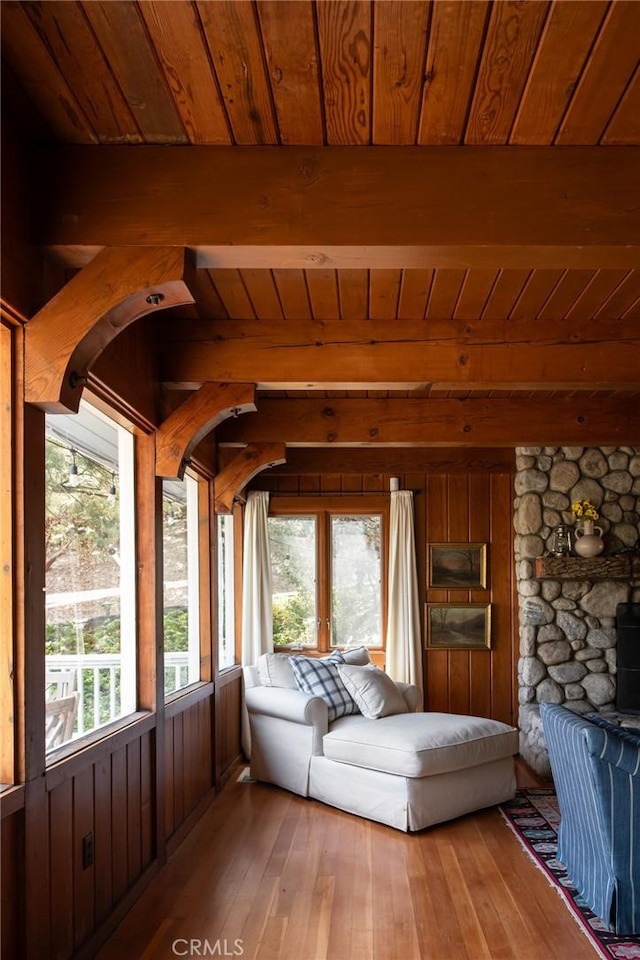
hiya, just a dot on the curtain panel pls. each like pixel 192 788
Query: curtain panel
pixel 404 645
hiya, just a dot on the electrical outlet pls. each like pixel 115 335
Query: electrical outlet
pixel 87 851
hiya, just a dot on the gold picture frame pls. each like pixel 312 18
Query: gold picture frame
pixel 458 626
pixel 457 566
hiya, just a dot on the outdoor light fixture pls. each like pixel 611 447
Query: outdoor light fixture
pixel 73 470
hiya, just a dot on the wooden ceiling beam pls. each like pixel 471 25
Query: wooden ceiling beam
pixel 182 431
pixel 66 337
pixel 245 464
pixel 388 355
pixel 315 461
pixel 416 422
pixel 333 206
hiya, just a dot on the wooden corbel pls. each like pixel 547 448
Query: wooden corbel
pixel 245 465
pixel 120 285
pixel 200 413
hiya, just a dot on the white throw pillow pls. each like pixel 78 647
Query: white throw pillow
pixel 357 656
pixel 275 671
pixel 373 690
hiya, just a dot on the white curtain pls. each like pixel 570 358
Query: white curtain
pixel 257 622
pixel 404 647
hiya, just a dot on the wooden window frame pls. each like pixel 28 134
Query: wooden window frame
pixel 236 587
pixel 206 523
pixel 8 728
pixel 323 508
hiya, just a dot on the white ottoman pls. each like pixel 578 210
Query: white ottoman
pixel 412 770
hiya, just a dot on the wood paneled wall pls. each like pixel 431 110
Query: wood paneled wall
pixel 227 728
pixel 109 797
pixel 475 508
pixel 188 755
pixel 108 791
pixel 472 506
pixel 12 882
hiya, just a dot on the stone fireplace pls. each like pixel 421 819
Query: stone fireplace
pixel 567 612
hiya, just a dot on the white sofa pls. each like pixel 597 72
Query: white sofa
pixel 408 770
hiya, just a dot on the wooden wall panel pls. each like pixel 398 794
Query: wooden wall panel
pixel 20 260
pixel 459 660
pixel 61 872
pixel 169 816
pixel 83 877
pixel 436 662
pixel 188 761
pixel 480 532
pixel 128 365
pixel 146 802
pixel 11 884
pixel 475 508
pixel 102 838
pixel 134 839
pixel 178 769
pixel 227 727
pixel 109 797
pixel 504 602
pixel 119 856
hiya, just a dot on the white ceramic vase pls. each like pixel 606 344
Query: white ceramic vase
pixel 588 541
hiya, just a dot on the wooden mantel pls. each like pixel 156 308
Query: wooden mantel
pixel 625 566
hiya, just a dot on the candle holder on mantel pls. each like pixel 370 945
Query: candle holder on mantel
pixel 561 546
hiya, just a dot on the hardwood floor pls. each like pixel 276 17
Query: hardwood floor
pixel 265 874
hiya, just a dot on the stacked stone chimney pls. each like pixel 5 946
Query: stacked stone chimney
pixel 567 627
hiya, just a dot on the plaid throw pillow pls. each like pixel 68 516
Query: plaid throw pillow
pixel 321 678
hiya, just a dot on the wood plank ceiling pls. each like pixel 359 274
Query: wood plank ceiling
pixel 354 73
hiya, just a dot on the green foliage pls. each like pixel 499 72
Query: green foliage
pixel 98 636
pixel 88 695
pixel 176 630
pixel 291 618
pixel 103 635
pixel 60 638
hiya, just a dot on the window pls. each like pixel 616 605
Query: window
pixel 90 642
pixel 181 593
pixel 356 574
pixel 226 593
pixel 293 550
pixel 327 576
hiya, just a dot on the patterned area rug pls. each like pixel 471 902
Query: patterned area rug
pixel 533 816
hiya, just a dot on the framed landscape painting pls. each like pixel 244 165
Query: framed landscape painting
pixel 461 566
pixel 458 626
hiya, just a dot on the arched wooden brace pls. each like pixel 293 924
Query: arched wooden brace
pixel 200 413
pixel 236 475
pixel 120 285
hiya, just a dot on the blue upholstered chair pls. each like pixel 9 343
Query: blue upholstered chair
pixel 596 771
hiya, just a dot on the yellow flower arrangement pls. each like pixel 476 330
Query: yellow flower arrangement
pixel 584 510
